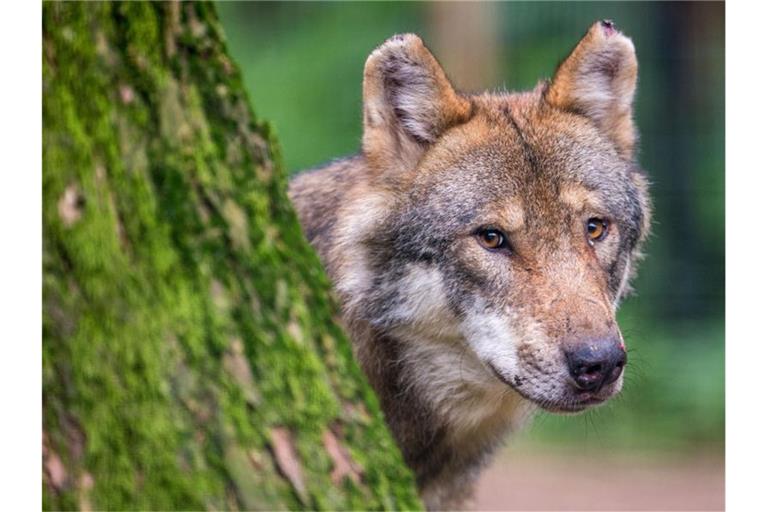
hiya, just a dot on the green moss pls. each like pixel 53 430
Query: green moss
pixel 185 316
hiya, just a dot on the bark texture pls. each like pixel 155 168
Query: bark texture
pixel 190 354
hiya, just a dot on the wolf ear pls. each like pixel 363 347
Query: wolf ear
pixel 408 101
pixel 598 80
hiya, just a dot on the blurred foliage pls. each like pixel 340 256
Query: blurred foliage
pixel 302 65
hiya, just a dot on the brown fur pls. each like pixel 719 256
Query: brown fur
pixel 460 342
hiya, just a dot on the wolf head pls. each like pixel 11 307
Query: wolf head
pixel 502 227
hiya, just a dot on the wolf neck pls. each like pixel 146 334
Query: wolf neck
pixel 460 389
pixel 443 407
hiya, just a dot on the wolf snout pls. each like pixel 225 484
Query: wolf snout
pixel 596 364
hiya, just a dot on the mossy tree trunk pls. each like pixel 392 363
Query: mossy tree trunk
pixel 190 357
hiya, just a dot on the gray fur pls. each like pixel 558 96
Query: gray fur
pixel 461 343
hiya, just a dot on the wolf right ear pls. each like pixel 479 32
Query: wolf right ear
pixel 598 80
pixel 408 102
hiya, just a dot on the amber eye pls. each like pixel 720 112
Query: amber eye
pixel 596 229
pixel 492 239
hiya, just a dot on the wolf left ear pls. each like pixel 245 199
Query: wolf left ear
pixel 408 102
pixel 598 80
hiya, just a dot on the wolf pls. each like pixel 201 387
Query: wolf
pixel 479 246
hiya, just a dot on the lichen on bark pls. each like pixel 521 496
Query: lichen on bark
pixel 188 341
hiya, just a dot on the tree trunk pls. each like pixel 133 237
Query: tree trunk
pixel 190 354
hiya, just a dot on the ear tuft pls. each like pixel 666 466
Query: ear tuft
pixel 598 80
pixel 407 97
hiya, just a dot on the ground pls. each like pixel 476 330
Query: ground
pixel 556 480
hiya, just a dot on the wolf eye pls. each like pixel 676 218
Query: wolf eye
pixel 596 229
pixel 492 239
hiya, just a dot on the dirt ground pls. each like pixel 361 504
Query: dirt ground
pixel 558 481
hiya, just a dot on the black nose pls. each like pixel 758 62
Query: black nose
pixel 596 364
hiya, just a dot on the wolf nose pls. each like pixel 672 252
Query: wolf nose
pixel 596 364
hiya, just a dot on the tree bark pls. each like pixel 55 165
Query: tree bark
pixel 190 354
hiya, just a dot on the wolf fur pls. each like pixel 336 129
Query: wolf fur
pixel 461 342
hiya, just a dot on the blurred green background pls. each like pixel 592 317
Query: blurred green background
pixel 303 62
